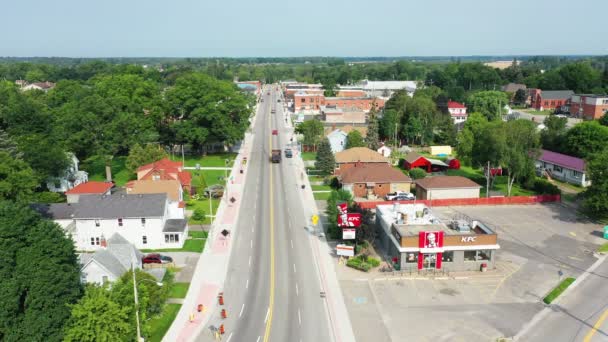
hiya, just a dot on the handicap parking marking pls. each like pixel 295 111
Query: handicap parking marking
pixel 360 300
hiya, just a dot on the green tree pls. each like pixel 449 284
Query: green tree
pixel 40 276
pixel 445 132
pixel 585 139
pixel 8 145
pixel 354 139
pixel 312 130
pixel 522 144
pixel 553 136
pixel 467 138
pixel 325 160
pixel 139 156
pixel 389 125
pixel 596 197
pixel 604 120
pixel 581 77
pixel 520 97
pixel 335 197
pixel 489 103
pixel 17 180
pixel 97 317
pixel 373 130
pixel 417 173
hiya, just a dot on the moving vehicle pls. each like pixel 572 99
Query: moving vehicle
pixel 273 111
pixel 215 191
pixel 278 100
pixel 156 259
pixel 275 132
pixel 276 156
pixel 404 196
pixel 288 153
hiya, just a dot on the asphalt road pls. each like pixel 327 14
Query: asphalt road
pixel 580 316
pixel 272 288
pixel 541 118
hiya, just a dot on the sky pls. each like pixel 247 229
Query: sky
pixel 286 28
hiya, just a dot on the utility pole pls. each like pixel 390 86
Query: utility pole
pixel 136 302
pixel 488 180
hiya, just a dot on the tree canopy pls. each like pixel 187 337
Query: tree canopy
pixel 354 139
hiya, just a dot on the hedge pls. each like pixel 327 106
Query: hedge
pixel 558 290
pixel 363 263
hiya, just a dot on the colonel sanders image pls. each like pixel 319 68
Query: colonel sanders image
pixel 431 240
pixel 343 216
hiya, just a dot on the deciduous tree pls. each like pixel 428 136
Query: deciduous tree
pixel 139 155
pixel 585 139
pixel 17 180
pixel 354 139
pixel 489 103
pixel 373 134
pixel 596 197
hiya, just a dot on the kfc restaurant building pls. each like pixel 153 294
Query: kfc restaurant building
pixel 418 240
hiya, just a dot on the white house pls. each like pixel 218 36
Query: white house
pixel 110 263
pixel 145 220
pixel 457 111
pixel 385 151
pixel 337 140
pixel 562 167
pixel 71 177
pixel 44 86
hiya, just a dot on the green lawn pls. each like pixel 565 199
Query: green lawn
pixel 203 204
pixel 537 112
pixel 322 195
pixel 179 290
pixel 309 155
pixel 313 178
pixel 204 178
pixel 210 160
pixel 198 234
pixel 191 245
pixel 96 168
pixel 320 187
pixel 500 182
pixel 603 248
pixel 558 290
pixel 160 324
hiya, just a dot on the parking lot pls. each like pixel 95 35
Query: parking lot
pixel 536 242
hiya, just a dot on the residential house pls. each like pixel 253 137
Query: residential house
pixel 144 220
pixel 414 160
pixel 442 187
pixel 385 151
pixel 166 169
pixel 88 188
pixel 108 264
pixel 589 107
pixel 357 156
pixel 550 99
pixel 457 111
pixel 333 114
pixel 373 180
pixel 337 140
pixel 562 167
pixel 43 86
pixel 71 177
pixel 172 188
pixel 60 213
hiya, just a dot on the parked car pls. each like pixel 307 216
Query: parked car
pixel 157 259
pixel 404 196
pixel 278 100
pixel 288 153
pixel 275 132
pixel 273 111
pixel 215 191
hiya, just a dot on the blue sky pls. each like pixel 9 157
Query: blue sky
pixel 203 28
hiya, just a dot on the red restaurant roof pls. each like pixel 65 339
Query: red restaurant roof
pixel 91 188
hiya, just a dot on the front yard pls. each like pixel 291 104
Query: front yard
pixel 309 155
pixel 160 324
pixel 96 167
pixel 211 160
pixel 195 243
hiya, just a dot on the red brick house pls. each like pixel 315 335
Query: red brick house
pixel 166 169
pixel 550 99
pixel 374 180
pixel 357 156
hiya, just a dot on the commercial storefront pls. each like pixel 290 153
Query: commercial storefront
pixel 418 240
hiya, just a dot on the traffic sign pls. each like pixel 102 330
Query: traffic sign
pixel 315 219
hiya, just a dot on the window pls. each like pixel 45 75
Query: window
pixel 469 255
pixel 97 224
pixel 557 168
pixel 94 241
pixel 411 258
pixel 120 222
pixel 171 238
pixel 144 240
pixel 104 279
pixel 477 255
pixel 553 103
pixel 143 221
pixel 155 177
pixel 546 103
pixel 447 256
pixel 576 174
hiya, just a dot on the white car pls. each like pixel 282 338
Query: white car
pixel 399 195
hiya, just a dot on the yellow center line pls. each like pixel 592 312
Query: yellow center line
pixel 271 204
pixel 596 326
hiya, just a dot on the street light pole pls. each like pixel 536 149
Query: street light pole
pixel 139 338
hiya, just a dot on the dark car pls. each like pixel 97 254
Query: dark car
pixel 288 153
pixel 403 198
pixel 157 259
pixel 215 191
pixel 278 100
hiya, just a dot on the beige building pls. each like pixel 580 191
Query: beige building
pixel 444 187
pixel 342 115
pixel 357 155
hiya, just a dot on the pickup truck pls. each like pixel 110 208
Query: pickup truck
pixel 276 156
pixel 400 195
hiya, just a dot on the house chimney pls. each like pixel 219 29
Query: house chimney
pixel 103 242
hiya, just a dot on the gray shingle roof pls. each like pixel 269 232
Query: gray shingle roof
pixel 55 211
pixel 117 257
pixel 121 206
pixel 175 225
pixel 556 94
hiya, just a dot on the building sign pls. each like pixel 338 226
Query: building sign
pixel 431 249
pixel 348 233
pixel 466 239
pixel 344 250
pixel 346 219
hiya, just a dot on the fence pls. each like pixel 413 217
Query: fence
pixel 471 201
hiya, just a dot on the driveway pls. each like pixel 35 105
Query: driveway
pixel 536 242
pixel 185 261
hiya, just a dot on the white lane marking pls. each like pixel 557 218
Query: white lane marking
pixel 247 285
pixel 291 243
pixel 299 317
pixel 250 260
pixel 253 217
pixel 251 243
pixel 242 308
pixel 258 340
pixel 229 337
pixel 267 312
pixel 294 268
pixel 252 229
pixel 297 291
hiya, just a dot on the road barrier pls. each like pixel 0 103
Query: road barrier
pixel 469 201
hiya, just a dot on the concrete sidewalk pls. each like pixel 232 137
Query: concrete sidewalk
pixel 339 321
pixel 212 266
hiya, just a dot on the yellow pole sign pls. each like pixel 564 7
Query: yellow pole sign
pixel 315 219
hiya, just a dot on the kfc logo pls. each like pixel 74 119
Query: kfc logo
pixel 468 239
pixel 345 219
pixel 430 240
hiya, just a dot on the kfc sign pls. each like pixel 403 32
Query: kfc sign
pixel 346 219
pixel 468 239
pixel 430 242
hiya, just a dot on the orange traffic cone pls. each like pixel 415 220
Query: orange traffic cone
pixel 222 331
pixel 224 313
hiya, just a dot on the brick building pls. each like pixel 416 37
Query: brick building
pixel 374 180
pixel 550 99
pixel 357 156
pixel 312 101
pixel 589 107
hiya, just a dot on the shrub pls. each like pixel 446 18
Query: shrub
pixel 363 262
pixel 373 261
pixel 558 290
pixel 542 186
pixel 198 214
pixel 417 173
